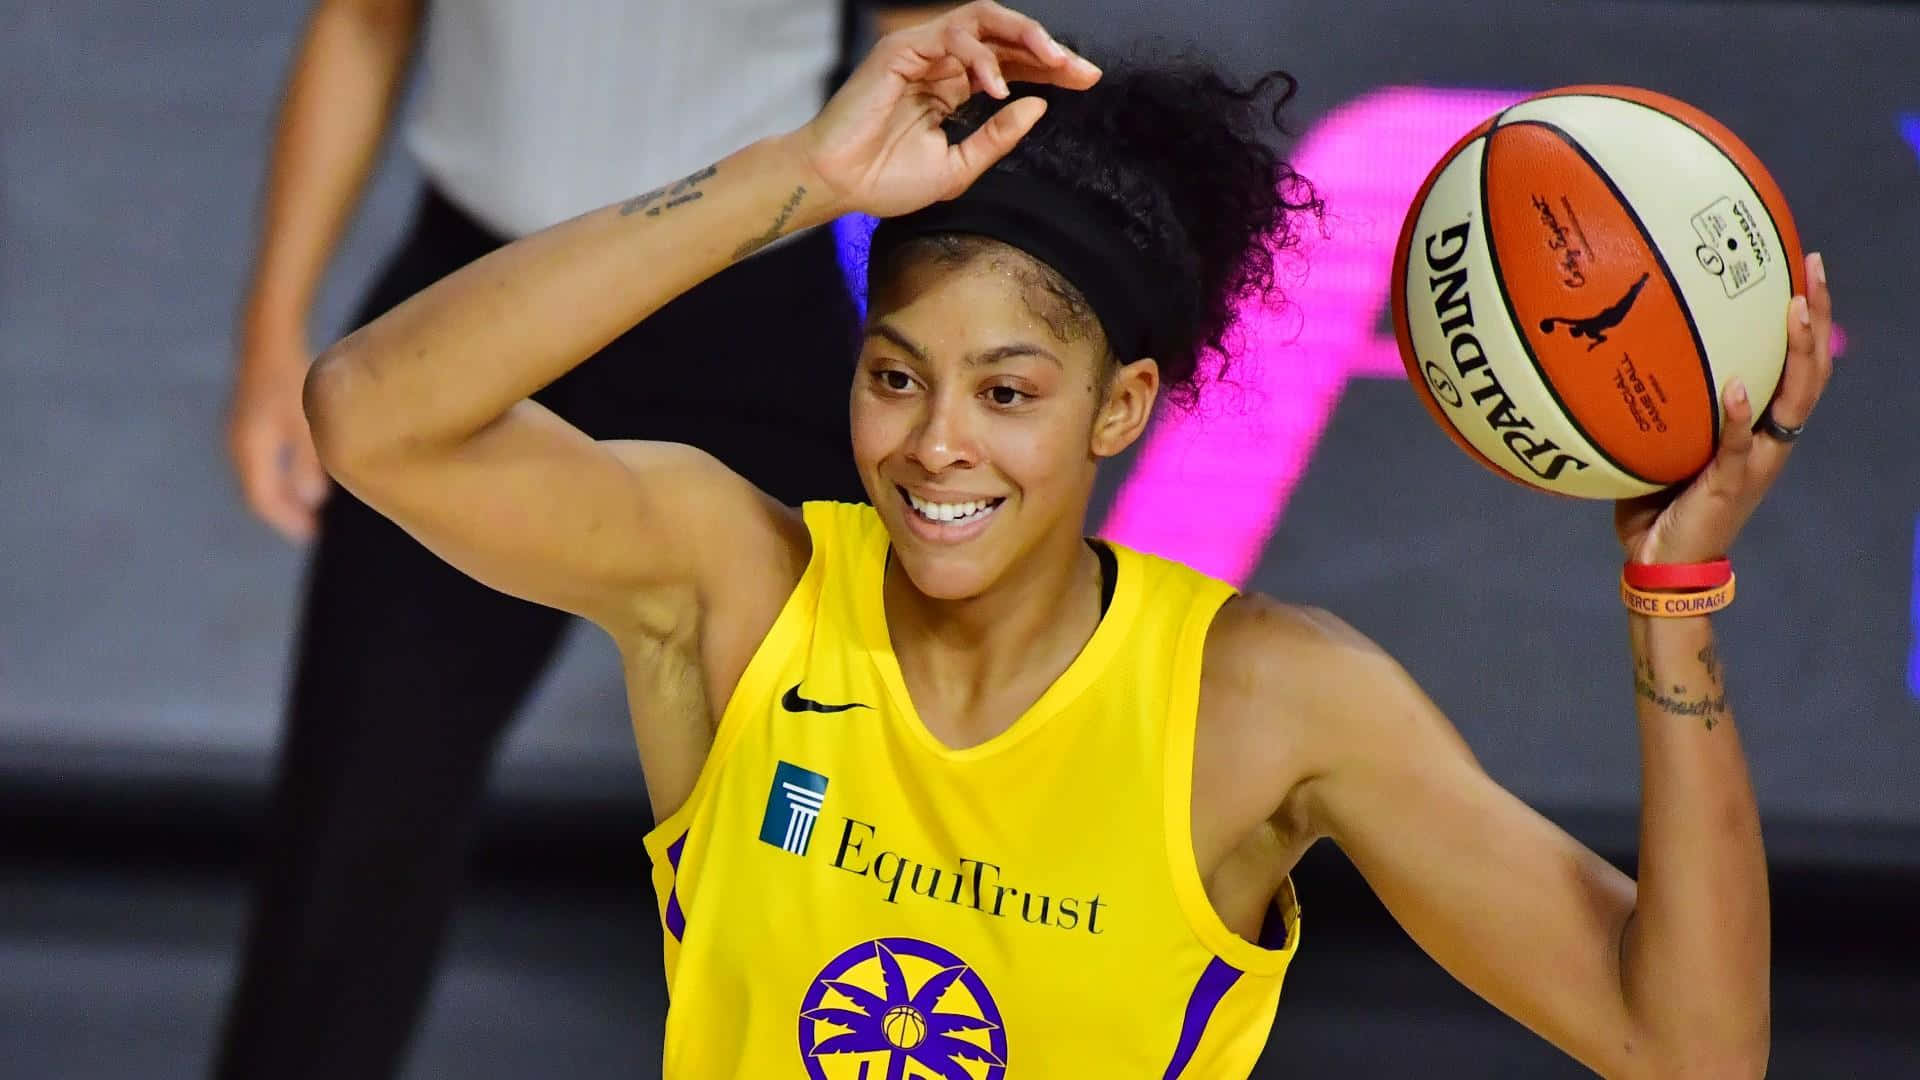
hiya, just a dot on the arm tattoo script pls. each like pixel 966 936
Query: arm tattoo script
pixel 683 190
pixel 1710 707
pixel 774 230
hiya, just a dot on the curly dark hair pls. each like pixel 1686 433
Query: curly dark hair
pixel 1177 156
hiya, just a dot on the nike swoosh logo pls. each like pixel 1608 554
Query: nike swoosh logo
pixel 793 702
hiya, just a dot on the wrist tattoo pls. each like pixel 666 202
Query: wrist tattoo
pixel 681 191
pixel 1674 700
pixel 773 231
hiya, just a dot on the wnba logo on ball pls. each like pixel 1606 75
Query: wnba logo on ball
pixel 860 1018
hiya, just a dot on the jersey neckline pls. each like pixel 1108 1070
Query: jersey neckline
pixel 1094 657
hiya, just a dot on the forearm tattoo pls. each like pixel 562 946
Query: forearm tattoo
pixel 681 191
pixel 773 231
pixel 1710 704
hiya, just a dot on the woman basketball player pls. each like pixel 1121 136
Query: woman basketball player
pixel 945 790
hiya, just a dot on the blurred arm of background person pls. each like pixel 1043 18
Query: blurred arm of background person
pixel 340 98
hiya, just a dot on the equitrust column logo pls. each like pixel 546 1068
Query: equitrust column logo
pixel 794 800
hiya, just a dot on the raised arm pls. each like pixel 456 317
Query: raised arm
pixel 1663 978
pixel 1660 978
pixel 339 101
pixel 424 413
pixel 1696 953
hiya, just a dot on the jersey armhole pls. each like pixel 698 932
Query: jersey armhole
pixel 757 685
pixel 1281 936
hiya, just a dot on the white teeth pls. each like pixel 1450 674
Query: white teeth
pixel 945 512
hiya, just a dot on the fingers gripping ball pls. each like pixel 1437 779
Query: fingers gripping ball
pixel 1581 276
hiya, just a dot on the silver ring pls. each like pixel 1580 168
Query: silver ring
pixel 1778 430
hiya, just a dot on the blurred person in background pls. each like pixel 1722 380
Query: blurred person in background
pixel 407 672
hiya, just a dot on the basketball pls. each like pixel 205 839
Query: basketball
pixel 1581 276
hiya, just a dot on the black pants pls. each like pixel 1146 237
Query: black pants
pixel 408 672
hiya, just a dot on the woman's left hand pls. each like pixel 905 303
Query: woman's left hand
pixel 1698 522
pixel 879 146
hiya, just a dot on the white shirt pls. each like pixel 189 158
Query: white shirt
pixel 533 111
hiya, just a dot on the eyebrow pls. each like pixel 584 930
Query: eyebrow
pixel 979 359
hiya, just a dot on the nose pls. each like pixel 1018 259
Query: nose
pixel 944 438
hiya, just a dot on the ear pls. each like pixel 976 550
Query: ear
pixel 1122 416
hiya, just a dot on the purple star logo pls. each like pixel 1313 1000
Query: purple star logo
pixel 901 1009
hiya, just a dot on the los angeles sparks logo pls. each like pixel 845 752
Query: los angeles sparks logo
pixel 901 1009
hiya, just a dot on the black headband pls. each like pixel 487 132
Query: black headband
pixel 1057 228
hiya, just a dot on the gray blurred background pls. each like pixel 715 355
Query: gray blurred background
pixel 145 617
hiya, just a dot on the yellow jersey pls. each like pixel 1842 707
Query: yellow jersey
pixel 844 897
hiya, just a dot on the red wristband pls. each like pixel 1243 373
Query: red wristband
pixel 1667 605
pixel 1663 576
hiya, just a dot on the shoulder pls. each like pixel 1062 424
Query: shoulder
pixel 1259 647
pixel 1296 694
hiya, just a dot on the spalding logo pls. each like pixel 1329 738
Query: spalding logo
pixel 1442 386
pixel 1453 306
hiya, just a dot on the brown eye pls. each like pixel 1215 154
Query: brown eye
pixel 894 379
pixel 1005 395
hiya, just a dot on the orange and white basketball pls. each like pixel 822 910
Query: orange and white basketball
pixel 1579 278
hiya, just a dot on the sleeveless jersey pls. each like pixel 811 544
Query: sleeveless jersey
pixel 845 897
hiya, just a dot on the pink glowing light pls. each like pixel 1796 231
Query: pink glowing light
pixel 1209 488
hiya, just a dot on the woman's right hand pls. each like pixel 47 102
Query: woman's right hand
pixel 878 145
